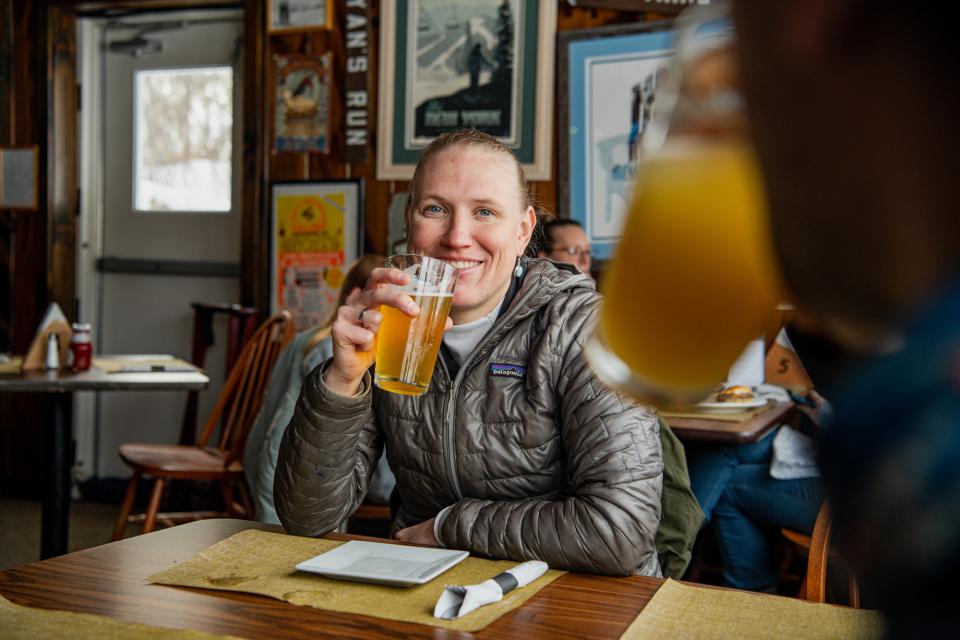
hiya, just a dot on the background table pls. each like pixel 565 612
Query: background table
pixel 111 580
pixel 56 497
pixel 749 430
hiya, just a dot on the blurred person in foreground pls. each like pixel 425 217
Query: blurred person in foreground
pixel 308 349
pixel 853 108
pixel 544 463
pixel 565 241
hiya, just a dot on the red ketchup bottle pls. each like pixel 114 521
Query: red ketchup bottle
pixel 81 347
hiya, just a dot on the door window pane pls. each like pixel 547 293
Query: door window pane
pixel 184 139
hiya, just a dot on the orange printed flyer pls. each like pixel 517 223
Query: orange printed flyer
pixel 314 239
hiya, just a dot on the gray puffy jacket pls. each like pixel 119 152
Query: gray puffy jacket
pixel 538 459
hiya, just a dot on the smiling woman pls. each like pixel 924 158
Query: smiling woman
pixel 514 451
pixel 469 206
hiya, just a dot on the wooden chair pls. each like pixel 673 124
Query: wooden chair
pixel 814 586
pixel 237 404
pixel 241 322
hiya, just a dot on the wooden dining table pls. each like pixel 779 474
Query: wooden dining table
pixel 62 384
pixel 110 580
pixel 710 429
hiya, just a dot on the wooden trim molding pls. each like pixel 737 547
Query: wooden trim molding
pixel 108 7
pixel 111 264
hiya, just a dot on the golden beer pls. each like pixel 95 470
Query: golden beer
pixel 694 278
pixel 407 347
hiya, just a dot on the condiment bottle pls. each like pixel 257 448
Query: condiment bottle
pixel 81 347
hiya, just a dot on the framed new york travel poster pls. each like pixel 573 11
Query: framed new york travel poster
pixel 452 64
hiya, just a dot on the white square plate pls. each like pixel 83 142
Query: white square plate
pixel 381 563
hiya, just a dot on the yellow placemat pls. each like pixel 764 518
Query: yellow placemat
pixel 17 622
pixel 12 364
pixel 723 416
pixel 260 562
pixel 679 611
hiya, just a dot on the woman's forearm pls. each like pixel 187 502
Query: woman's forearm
pixel 326 458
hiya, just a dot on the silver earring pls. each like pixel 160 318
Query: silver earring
pixel 519 270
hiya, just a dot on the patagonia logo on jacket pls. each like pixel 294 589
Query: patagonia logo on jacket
pixel 499 370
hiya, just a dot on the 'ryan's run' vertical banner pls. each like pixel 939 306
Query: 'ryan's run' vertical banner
pixel 357 94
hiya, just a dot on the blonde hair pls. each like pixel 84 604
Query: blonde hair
pixel 357 275
pixel 471 138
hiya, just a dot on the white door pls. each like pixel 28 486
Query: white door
pixel 162 224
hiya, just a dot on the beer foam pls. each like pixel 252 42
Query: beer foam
pixel 425 290
pixel 418 286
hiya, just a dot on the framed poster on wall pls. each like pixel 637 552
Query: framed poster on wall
pixel 608 81
pixel 453 64
pixel 288 16
pixel 301 112
pixel 316 232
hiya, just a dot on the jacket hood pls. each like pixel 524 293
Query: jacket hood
pixel 544 279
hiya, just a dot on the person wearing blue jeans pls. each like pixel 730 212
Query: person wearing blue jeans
pixel 736 491
pixel 712 465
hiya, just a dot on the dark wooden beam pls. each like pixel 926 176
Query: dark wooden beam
pixel 62 158
pixel 255 247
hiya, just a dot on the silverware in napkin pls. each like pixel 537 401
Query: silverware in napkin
pixel 457 601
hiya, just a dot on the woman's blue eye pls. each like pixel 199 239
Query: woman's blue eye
pixel 433 209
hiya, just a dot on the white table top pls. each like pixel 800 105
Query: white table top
pixel 97 380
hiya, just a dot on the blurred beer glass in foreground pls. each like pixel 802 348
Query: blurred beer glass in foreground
pixel 407 347
pixel 694 277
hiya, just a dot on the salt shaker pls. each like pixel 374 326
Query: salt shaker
pixel 53 352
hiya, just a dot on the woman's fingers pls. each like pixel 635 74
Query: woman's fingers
pixel 370 319
pixel 361 337
pixel 351 299
pixel 386 275
pixel 378 293
pixel 373 298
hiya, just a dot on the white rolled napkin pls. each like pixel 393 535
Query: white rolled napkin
pixel 457 601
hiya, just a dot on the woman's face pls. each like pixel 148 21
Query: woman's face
pixel 468 212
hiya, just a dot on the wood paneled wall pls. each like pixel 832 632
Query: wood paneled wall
pixel 37 263
pixel 37 106
pixel 305 166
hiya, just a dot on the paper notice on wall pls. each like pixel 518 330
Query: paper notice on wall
pixel 310 249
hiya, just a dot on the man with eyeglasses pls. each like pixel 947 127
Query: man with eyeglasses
pixel 565 241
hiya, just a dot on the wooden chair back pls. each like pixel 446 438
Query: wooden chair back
pixel 815 585
pixel 244 389
pixel 241 323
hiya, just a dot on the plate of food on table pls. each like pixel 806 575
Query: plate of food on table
pixel 734 398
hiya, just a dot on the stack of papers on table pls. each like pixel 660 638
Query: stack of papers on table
pixel 142 364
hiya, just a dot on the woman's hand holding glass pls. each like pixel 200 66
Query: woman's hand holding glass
pixel 358 324
pixel 354 338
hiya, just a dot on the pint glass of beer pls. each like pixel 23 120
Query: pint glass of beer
pixel 694 278
pixel 407 347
